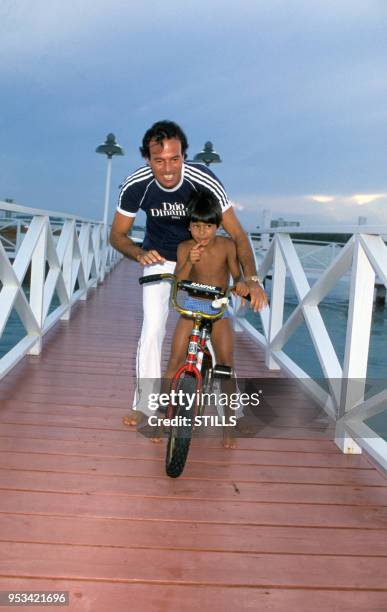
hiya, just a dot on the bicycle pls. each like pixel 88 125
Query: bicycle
pixel 193 379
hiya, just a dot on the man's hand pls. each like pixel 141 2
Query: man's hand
pixel 259 299
pixel 147 258
pixel 246 258
pixel 196 253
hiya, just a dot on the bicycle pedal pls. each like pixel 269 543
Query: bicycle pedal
pixel 222 371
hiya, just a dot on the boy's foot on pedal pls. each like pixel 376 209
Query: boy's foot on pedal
pixel 134 418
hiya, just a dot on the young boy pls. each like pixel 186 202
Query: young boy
pixel 209 259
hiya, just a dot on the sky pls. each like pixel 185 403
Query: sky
pixel 292 93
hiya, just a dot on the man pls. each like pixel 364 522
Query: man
pixel 162 188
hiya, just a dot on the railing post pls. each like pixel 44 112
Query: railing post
pixel 357 342
pixel 96 241
pixel 18 236
pixel 276 303
pixel 67 267
pixel 84 240
pixel 38 276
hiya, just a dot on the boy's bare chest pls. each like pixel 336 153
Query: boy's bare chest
pixel 212 260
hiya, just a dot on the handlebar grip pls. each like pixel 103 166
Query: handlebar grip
pixel 152 278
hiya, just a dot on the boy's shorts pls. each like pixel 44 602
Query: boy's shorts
pixel 192 303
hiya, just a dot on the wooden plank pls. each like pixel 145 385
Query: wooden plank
pixel 191 567
pixel 202 490
pixel 90 595
pixel 209 453
pixel 126 433
pixel 16 437
pixel 299 433
pixel 209 511
pixel 153 467
pixel 170 534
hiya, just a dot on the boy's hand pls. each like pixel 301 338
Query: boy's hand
pixel 196 253
pixel 242 290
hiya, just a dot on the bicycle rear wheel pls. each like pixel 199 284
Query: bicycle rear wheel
pixel 179 438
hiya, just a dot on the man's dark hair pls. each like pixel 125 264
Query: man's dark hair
pixel 160 131
pixel 204 206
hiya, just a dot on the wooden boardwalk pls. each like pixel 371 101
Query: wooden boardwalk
pixel 285 522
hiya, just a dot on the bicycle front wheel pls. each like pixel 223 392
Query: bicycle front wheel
pixel 179 438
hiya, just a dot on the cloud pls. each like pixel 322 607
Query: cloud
pixel 321 198
pixel 326 211
pixel 367 198
pixel 237 205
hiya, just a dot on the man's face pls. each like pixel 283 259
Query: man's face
pixel 166 161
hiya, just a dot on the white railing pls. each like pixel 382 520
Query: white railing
pixel 54 253
pixel 11 231
pixel 364 257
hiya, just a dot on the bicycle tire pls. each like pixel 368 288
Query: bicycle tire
pixel 179 438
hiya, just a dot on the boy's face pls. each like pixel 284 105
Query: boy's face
pixel 202 232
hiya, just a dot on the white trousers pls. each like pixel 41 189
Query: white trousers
pixel 155 300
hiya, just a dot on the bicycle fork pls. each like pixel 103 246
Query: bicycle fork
pixel 193 364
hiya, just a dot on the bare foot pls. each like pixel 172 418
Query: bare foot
pixel 229 440
pixel 157 434
pixel 134 418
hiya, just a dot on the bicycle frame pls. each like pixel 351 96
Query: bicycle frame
pixel 197 348
pixel 199 337
pixel 189 375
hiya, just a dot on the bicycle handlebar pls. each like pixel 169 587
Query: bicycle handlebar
pixel 198 289
pixel 152 278
pixel 193 287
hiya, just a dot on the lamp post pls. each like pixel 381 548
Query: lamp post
pixel 110 147
pixel 208 155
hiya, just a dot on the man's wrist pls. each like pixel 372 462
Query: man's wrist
pixel 139 254
pixel 254 278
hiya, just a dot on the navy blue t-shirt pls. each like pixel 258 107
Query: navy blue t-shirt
pixel 165 209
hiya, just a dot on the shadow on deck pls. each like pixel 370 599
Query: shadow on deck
pixel 285 522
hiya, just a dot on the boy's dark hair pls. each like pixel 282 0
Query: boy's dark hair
pixel 160 131
pixel 204 207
